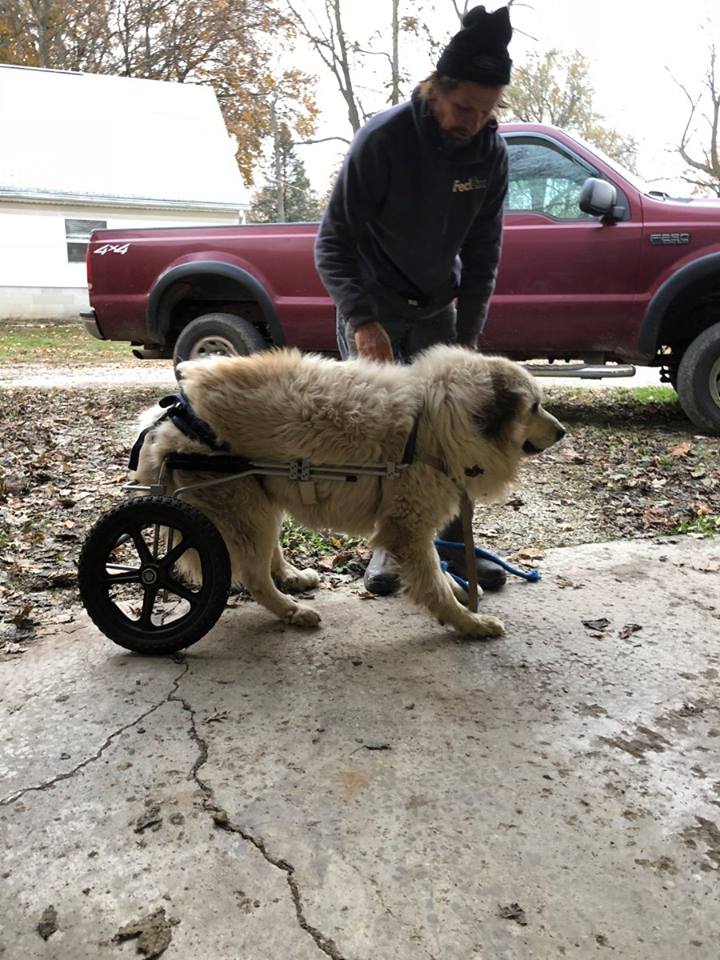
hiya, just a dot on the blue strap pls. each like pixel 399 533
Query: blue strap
pixel 532 575
pixel 455 576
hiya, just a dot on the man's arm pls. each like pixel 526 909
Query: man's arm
pixel 356 197
pixel 480 256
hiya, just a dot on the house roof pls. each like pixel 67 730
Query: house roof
pixel 116 139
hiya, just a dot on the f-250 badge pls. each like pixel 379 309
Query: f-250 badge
pixel 112 248
pixel 669 239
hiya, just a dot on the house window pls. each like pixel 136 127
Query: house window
pixel 77 234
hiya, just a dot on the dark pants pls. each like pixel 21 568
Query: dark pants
pixel 408 336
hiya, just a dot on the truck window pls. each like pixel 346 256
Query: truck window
pixel 544 180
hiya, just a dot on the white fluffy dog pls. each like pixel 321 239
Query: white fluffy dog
pixel 477 418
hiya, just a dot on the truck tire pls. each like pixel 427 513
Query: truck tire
pixel 217 334
pixel 698 382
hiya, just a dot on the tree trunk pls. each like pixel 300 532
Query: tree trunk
pixel 395 63
pixel 277 159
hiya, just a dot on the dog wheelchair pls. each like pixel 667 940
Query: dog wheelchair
pixel 127 570
pixel 127 573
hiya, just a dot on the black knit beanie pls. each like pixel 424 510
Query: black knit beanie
pixel 478 52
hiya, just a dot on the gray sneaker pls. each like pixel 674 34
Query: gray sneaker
pixel 381 575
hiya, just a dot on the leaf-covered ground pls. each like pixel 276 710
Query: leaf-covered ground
pixel 631 466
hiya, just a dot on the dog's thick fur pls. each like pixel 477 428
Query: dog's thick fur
pixel 474 412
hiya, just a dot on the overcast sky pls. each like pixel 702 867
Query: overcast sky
pixel 633 47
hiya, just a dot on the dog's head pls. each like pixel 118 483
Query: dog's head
pixel 517 415
pixel 485 414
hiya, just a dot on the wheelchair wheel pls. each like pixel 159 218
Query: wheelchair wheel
pixel 134 580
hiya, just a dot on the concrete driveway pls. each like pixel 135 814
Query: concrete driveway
pixel 379 788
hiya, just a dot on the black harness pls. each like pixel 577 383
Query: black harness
pixel 179 411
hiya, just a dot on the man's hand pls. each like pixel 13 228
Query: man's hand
pixel 373 343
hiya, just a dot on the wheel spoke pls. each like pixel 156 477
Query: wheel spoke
pixel 183 592
pixel 171 558
pixel 141 547
pixel 147 607
pixel 126 575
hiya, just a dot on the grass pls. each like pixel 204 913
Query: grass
pixel 708 525
pixel 66 343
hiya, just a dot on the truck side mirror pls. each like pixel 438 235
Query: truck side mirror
pixel 598 198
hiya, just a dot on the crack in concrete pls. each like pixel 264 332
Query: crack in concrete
pixel 14 797
pixel 222 821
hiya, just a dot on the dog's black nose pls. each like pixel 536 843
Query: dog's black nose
pixel 560 433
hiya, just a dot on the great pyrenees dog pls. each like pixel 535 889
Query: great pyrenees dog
pixel 476 419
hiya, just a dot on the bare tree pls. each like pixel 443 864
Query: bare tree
pixel 330 42
pixel 555 88
pixel 703 160
pixel 347 58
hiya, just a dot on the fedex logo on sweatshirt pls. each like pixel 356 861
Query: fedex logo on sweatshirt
pixel 472 183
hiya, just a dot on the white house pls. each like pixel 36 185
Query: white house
pixel 80 151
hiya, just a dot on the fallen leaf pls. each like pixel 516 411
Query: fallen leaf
pixel 531 553
pixel 601 624
pixel 150 818
pixel 217 717
pixel 681 450
pixel 48 923
pixel 628 630
pixel 22 616
pixel 513 912
pixel 154 933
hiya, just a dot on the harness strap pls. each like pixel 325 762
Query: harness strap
pixel 178 409
pixel 189 423
pixel 409 451
pixel 466 515
pixel 409 454
pixel 214 463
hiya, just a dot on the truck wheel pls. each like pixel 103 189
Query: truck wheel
pixel 698 382
pixel 217 334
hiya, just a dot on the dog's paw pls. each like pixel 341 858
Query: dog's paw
pixel 303 616
pixel 295 581
pixel 476 626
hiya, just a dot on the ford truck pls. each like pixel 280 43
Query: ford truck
pixel 598 274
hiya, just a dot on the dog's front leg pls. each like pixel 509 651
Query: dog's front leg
pixel 427 585
pixel 256 577
pixel 290 577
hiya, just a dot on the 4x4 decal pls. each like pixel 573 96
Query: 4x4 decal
pixel 112 248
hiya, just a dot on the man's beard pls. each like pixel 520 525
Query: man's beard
pixel 453 139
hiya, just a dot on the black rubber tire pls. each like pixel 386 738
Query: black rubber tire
pixel 122 528
pixel 698 382
pixel 217 334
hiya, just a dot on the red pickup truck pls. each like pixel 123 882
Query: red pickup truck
pixel 598 273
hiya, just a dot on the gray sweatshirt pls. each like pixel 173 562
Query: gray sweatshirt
pixel 413 223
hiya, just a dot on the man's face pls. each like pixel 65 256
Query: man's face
pixel 463 112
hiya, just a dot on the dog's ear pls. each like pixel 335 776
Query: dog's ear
pixel 503 407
